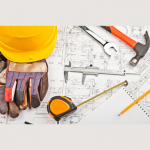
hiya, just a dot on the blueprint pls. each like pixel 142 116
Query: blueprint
pixel 81 50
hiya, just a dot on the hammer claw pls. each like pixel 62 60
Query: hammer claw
pixel 147 39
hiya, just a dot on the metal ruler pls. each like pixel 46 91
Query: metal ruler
pixel 91 70
pixel 140 82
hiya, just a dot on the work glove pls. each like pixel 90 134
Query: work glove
pixel 3 103
pixel 26 83
pixel 11 107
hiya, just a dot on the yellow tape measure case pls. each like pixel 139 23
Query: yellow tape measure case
pixel 60 106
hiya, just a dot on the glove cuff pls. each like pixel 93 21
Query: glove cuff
pixel 34 67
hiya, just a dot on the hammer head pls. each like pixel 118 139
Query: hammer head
pixel 140 50
pixel 107 46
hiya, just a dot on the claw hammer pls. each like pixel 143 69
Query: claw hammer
pixel 139 48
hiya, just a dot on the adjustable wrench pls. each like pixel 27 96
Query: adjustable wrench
pixel 106 45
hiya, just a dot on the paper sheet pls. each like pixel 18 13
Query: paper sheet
pixel 81 50
pixel 109 110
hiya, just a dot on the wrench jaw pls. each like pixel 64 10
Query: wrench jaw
pixel 107 46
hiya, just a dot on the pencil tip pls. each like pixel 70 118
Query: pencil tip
pixel 120 114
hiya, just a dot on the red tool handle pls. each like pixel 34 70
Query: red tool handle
pixel 120 35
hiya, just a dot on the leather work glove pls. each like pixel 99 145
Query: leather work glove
pixel 26 83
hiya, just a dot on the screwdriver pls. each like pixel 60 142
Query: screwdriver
pixel 62 106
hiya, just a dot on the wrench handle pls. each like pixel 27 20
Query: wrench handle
pixel 120 35
pixel 93 35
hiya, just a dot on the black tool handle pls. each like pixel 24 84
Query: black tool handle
pixel 93 35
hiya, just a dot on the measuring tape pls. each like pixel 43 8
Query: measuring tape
pixel 140 82
pixel 62 106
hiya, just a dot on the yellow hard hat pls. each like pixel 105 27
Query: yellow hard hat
pixel 27 43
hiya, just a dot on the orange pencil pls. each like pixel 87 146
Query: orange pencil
pixel 134 102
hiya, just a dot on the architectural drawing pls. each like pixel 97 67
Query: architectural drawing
pixel 81 50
